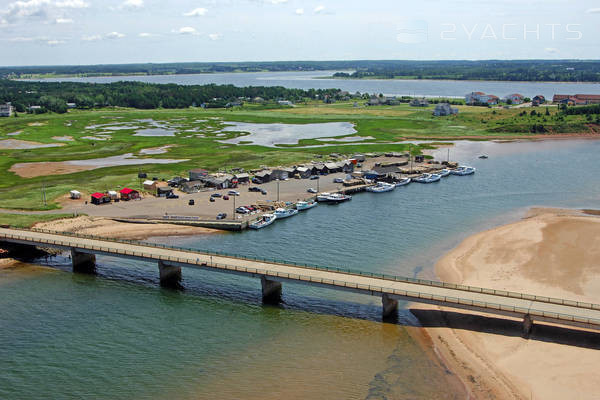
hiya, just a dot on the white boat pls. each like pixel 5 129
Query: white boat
pixel 304 205
pixel 427 178
pixel 322 197
pixel 265 220
pixel 337 198
pixel 444 172
pixel 403 182
pixel 381 187
pixel 463 170
pixel 285 212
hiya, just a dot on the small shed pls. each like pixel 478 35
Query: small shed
pixel 113 195
pixel 197 174
pixel 150 186
pixel 242 178
pixel 129 194
pixel 303 172
pixel 359 158
pixel 264 176
pixel 99 198
pixel 75 194
pixel 164 191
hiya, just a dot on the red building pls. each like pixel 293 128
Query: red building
pixel 100 198
pixel 129 194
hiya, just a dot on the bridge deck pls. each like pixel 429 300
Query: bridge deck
pixel 539 308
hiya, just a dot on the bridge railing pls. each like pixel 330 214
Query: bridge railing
pixel 425 282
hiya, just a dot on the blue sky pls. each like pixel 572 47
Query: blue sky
pixel 47 32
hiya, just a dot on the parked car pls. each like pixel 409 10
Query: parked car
pixel 338 180
pixel 172 196
pixel 215 195
pixel 212 199
pixel 241 210
pixel 263 191
pixel 225 197
pixel 312 190
pixel 313 177
pixel 221 215
pixel 233 193
pixel 257 181
pixel 191 202
pixel 254 189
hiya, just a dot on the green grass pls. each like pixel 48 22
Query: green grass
pixel 385 124
pixel 28 220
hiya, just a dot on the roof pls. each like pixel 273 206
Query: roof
pixel 112 192
pixel 98 195
pixel 242 175
pixel 588 96
pixel 75 192
pixel 126 191
pixel 301 169
pixel 148 182
pixel 516 95
pixel 331 165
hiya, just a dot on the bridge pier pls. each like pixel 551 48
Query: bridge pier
pixel 390 306
pixel 170 276
pixel 527 325
pixel 271 291
pixel 83 262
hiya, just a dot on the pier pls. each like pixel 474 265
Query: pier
pixel 391 289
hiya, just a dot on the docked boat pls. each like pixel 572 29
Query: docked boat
pixel 427 178
pixel 322 197
pixel 381 187
pixel 337 198
pixel 281 213
pixel 403 182
pixel 463 170
pixel 304 205
pixel 265 220
pixel 444 172
pixel 483 157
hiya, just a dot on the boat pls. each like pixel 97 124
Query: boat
pixel 403 182
pixel 337 198
pixel 304 205
pixel 444 172
pixel 381 187
pixel 427 178
pixel 483 156
pixel 265 220
pixel 322 197
pixel 281 213
pixel 463 170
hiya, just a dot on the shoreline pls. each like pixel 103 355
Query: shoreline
pixel 547 252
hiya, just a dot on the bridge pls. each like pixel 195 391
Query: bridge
pixel 272 273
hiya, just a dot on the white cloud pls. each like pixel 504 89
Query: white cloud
pixel 197 12
pixel 55 42
pixel 186 30
pixel 299 11
pixel 91 38
pixel 319 9
pixel 215 36
pixel 63 21
pixel 551 50
pixel 593 11
pixel 39 40
pixel 71 4
pixel 277 1
pixel 114 35
pixel 132 4
pixel 45 9
pixel 147 34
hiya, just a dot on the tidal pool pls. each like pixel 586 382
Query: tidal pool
pixel 13 144
pixel 271 135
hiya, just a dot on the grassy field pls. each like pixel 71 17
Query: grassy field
pixel 197 138
pixel 28 220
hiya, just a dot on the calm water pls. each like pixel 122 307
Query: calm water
pixel 118 336
pixel 305 80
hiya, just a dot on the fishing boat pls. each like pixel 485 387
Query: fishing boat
pixel 281 213
pixel 444 172
pixel 304 205
pixel 427 178
pixel 337 198
pixel 483 157
pixel 265 220
pixel 403 182
pixel 463 170
pixel 381 187
pixel 322 197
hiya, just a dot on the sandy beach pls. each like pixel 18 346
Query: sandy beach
pixel 550 252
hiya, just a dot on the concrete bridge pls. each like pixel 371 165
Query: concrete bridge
pixel 170 260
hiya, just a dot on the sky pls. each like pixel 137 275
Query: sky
pixel 78 32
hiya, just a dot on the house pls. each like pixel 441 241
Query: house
pixel 359 158
pixel 419 102
pixel 218 182
pixel 304 172
pixel 150 186
pixel 164 191
pixel 196 174
pixel 537 100
pixel 191 186
pixel 578 99
pixel 373 101
pixel 346 166
pixel 242 177
pixel 588 98
pixel 113 195
pixel 129 194
pixel 264 176
pixel 332 167
pixel 280 174
pixel 71 105
pixel 258 100
pixel 285 103
pixel 6 110
pixel 34 109
pixel 176 181
pixel 475 98
pixel 99 198
pixel 75 194
pixel 514 98
pixel 444 109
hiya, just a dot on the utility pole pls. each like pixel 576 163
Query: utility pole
pixel 44 193
pixel 233 214
pixel 318 180
pixel 277 189
pixel 410 158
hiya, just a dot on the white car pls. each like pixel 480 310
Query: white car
pixel 233 193
pixel 311 190
pixel 338 180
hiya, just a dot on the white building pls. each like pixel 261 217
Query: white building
pixel 481 98
pixel 515 98
pixel 443 109
pixel 6 110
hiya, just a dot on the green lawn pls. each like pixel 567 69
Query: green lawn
pixel 27 221
pixel 197 138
